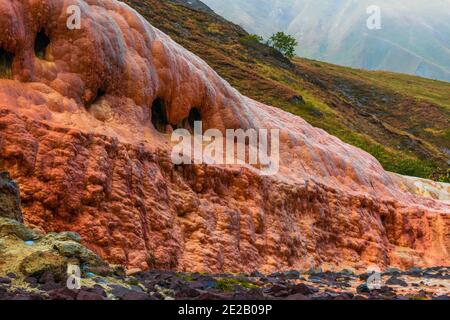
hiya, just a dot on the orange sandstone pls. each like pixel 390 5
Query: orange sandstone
pixel 76 132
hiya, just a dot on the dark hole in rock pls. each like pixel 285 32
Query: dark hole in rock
pixel 100 107
pixel 6 61
pixel 383 220
pixel 40 44
pixel 194 115
pixel 159 115
pixel 100 94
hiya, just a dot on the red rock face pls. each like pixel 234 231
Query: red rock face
pixel 76 132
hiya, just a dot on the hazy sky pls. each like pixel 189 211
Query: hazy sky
pixel 414 35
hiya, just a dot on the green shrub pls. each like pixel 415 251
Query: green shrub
pixel 284 43
pixel 228 284
pixel 251 39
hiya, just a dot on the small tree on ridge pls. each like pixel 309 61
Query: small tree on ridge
pixel 284 43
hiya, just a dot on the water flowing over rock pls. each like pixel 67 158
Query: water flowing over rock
pixel 76 132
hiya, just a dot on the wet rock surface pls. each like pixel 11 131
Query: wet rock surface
pixel 9 198
pixel 77 132
pixel 37 266
pixel 170 285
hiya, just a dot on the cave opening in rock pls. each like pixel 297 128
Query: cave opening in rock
pixel 383 220
pixel 6 61
pixel 159 115
pixel 100 94
pixel 41 43
pixel 194 115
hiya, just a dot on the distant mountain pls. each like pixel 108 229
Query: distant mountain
pixel 194 4
pixel 414 37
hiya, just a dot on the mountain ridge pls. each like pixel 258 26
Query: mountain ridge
pixel 413 38
pixel 333 95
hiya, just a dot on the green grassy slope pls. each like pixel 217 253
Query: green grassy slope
pixel 402 120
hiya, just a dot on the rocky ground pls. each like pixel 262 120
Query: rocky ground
pixel 416 284
pixel 34 266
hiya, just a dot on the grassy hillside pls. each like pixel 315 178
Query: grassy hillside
pixel 402 120
pixel 414 36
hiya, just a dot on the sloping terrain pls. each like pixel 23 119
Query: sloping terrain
pixel 401 120
pixel 85 122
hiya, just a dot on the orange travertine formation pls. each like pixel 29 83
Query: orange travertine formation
pixel 76 133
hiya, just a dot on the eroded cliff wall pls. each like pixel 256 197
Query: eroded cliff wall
pixel 76 132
